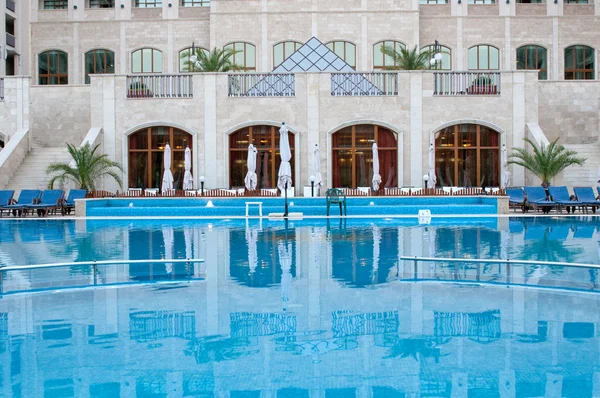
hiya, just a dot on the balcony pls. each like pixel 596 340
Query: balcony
pixel 10 5
pixel 368 84
pixel 261 85
pixel 10 40
pixel 466 83
pixel 160 86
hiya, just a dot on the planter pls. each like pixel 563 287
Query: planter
pixel 490 89
pixel 141 93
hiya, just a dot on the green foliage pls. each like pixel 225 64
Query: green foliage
pixel 546 161
pixel 217 60
pixel 89 167
pixel 407 59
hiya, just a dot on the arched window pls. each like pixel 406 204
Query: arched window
pixel 579 63
pixel 266 140
pixel 146 151
pixel 245 56
pixel 99 61
pixel 533 57
pixel 446 63
pixel 345 50
pixel 380 60
pixel 484 57
pixel 467 155
pixel 53 67
pixel 281 51
pixel 184 59
pixel 146 60
pixel 352 160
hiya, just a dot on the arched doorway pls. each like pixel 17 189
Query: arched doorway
pixel 266 140
pixel 467 155
pixel 146 151
pixel 352 156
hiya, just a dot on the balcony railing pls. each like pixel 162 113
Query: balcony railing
pixel 10 4
pixel 364 84
pixel 160 86
pixel 262 85
pixel 1 89
pixel 466 83
pixel 10 40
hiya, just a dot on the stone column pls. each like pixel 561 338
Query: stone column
pixel 210 133
pixel 416 129
pixel 312 129
pixel 518 121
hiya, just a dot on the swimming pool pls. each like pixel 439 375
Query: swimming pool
pixel 326 309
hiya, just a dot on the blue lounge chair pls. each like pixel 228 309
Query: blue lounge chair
pixel 26 197
pixel 586 195
pixel 51 200
pixel 536 197
pixel 516 198
pixel 561 196
pixel 5 199
pixel 69 203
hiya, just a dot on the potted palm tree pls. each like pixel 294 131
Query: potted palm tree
pixel 545 161
pixel 405 59
pixel 483 85
pixel 87 168
pixel 217 60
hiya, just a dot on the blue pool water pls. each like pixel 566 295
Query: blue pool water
pixel 317 309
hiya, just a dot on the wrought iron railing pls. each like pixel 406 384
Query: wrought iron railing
pixel 10 40
pixel 262 85
pixel 1 89
pixel 160 86
pixel 466 83
pixel 364 84
pixel 10 4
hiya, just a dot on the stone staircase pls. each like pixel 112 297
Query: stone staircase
pixel 31 174
pixel 586 175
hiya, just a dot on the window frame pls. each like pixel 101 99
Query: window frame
pixel 235 46
pixel 148 4
pixel 55 4
pixel 395 43
pixel 141 50
pixel 188 49
pixel 478 47
pixel 49 75
pixel 296 44
pixel 574 70
pixel 100 4
pixel 195 3
pixel 526 48
pixel 87 74
pixel 334 44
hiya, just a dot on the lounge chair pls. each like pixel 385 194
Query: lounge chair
pixel 561 196
pixel 26 197
pixel 586 195
pixel 5 199
pixel 69 203
pixel 516 198
pixel 536 197
pixel 51 200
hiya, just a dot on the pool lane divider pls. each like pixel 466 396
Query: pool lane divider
pixel 103 262
pixel 493 261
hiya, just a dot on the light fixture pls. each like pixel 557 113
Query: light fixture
pixel 170 5
pixel 122 5
pixel 75 6
pixel 426 179
pixel 437 54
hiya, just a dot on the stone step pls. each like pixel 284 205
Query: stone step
pixel 31 174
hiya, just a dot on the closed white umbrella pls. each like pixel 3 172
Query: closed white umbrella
pixel 285 169
pixel 505 173
pixel 251 239
pixel 187 236
pixel 318 177
pixel 188 180
pixel 285 260
pixel 168 240
pixel 376 176
pixel 251 178
pixel 431 173
pixel 167 180
pixel 376 250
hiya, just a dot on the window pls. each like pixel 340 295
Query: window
pixel 579 63
pixel 482 1
pixel 281 51
pixel 352 158
pixel 146 60
pixel 344 50
pixel 533 57
pixel 245 56
pixel 531 1
pixel 55 4
pixel 102 4
pixel 266 141
pixel 146 152
pixel 577 2
pixel 380 60
pixel 195 3
pixel 467 155
pixel 184 59
pixel 446 63
pixel 148 3
pixel 484 57
pixel 433 1
pixel 99 61
pixel 53 67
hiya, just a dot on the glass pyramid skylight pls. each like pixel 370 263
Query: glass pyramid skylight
pixel 313 56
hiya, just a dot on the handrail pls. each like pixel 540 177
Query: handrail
pixel 102 262
pixel 493 261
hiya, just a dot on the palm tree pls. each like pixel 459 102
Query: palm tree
pixel 407 59
pixel 546 161
pixel 217 60
pixel 88 168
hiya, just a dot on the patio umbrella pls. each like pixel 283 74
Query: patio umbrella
pixel 285 260
pixel 188 180
pixel 376 250
pixel 187 236
pixel 318 177
pixel 285 169
pixel 251 178
pixel 251 239
pixel 505 173
pixel 376 176
pixel 266 180
pixel 167 180
pixel 432 177
pixel 168 240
